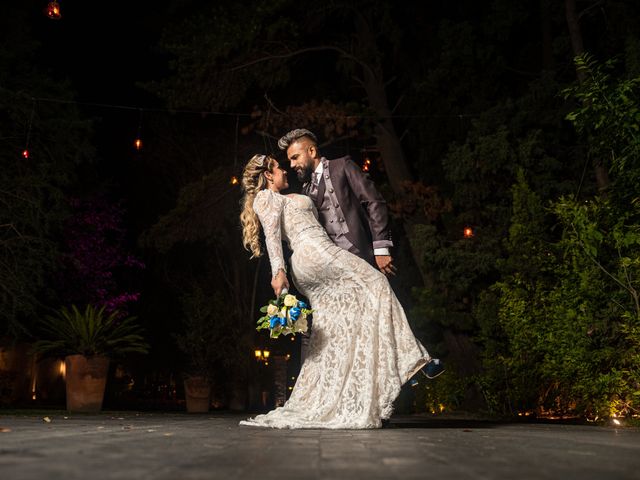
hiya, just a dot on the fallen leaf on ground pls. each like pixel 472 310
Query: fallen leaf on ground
pixel 46 419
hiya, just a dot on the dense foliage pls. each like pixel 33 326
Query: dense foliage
pixel 567 339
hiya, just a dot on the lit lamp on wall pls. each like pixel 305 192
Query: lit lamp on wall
pixel 52 11
pixel 262 356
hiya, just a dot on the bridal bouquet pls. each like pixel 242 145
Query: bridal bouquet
pixel 284 315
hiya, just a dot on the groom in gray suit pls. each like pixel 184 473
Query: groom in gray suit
pixel 350 208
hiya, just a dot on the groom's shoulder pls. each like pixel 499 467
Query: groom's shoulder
pixel 340 161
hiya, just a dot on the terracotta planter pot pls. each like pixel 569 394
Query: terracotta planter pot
pixel 197 392
pixel 86 381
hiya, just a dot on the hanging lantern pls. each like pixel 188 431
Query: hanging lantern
pixel 138 144
pixel 25 153
pixel 52 11
pixel 468 232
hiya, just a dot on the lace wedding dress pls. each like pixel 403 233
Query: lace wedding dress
pixel 361 348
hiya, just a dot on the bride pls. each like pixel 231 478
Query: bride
pixel 361 349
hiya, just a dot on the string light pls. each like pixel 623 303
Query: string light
pixel 138 141
pixel 234 180
pixel 52 11
pixel 468 232
pixel 25 152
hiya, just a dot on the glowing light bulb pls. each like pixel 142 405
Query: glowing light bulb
pixel 52 11
pixel 266 353
pixel 234 180
pixel 258 354
pixel 25 153
pixel 468 232
pixel 138 144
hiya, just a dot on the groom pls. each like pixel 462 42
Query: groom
pixel 350 208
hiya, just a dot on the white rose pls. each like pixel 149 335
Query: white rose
pixel 283 312
pixel 272 310
pixel 290 300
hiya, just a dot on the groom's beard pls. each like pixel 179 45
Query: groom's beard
pixel 304 174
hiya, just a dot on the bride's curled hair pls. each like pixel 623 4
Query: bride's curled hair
pixel 253 180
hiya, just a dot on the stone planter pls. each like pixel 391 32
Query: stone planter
pixel 85 383
pixel 197 392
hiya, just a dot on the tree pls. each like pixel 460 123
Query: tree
pixel 32 190
pixel 205 221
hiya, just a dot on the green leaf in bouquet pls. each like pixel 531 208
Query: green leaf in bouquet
pixel 264 309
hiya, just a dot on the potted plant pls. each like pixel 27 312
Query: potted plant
pixel 87 340
pixel 207 343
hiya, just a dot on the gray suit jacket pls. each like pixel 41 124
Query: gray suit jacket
pixel 359 203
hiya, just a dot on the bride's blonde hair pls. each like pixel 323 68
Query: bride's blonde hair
pixel 253 180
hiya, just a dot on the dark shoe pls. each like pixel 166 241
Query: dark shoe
pixel 433 369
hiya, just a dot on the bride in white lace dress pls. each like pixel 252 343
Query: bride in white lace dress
pixel 361 349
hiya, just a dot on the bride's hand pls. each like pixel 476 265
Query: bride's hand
pixel 279 282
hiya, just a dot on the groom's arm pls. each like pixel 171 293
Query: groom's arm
pixel 374 204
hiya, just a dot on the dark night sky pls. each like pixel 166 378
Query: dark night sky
pixel 103 48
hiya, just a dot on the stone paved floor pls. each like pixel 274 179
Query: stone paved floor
pixel 180 446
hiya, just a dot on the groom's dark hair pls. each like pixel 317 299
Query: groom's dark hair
pixel 295 135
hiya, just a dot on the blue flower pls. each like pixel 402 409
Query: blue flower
pixel 301 304
pixel 294 313
pixel 275 321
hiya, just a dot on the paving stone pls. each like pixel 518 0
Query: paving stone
pixel 124 445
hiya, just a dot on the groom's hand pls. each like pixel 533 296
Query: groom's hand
pixel 385 264
pixel 279 282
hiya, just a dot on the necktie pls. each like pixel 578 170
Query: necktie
pixel 313 188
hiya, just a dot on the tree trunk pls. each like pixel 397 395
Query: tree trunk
pixel 573 24
pixel 387 139
pixel 462 350
pixel 547 36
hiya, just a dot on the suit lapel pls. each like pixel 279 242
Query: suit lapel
pixel 322 184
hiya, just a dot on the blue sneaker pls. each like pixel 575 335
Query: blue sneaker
pixel 433 369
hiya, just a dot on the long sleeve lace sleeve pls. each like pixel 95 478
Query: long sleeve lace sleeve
pixel 269 206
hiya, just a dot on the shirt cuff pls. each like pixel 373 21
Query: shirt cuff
pixel 381 251
pixel 382 244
